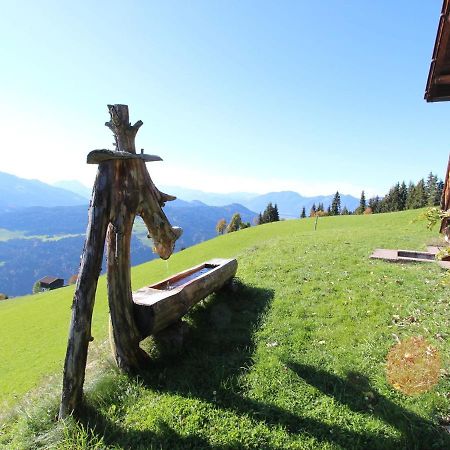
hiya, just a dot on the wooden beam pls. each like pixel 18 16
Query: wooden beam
pixel 442 79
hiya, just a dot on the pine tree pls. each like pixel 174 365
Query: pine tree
pixel 275 214
pixel 421 194
pixel 417 197
pixel 374 204
pixel 345 211
pixel 313 210
pixel 362 204
pixel 403 195
pixel 336 205
pixel 432 189
pixel 410 195
pixel 270 214
pixel 303 213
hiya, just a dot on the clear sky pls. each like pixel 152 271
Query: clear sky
pixel 252 95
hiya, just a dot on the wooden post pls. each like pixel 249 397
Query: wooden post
pixel 83 301
pixel 123 189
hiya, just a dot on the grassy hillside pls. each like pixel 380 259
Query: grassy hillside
pixel 294 359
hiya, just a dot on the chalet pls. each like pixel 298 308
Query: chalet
pixel 50 283
pixel 438 90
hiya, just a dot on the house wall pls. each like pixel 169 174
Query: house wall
pixel 445 202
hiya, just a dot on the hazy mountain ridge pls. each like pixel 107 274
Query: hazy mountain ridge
pixel 76 187
pixel 53 229
pixel 18 192
pixel 54 238
pixel 289 203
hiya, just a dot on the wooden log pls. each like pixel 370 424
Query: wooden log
pixel 156 307
pixel 133 192
pixel 127 353
pixel 83 301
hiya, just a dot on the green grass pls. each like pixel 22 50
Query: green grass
pixel 7 235
pixel 294 359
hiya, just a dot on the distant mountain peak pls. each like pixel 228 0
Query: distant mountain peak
pixel 16 192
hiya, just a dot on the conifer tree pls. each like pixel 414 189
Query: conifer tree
pixel 303 213
pixel 432 190
pixel 336 205
pixel 374 204
pixel 270 214
pixel 410 195
pixel 313 210
pixel 362 204
pixel 403 195
pixel 275 214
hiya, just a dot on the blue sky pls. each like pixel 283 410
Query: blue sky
pixel 234 95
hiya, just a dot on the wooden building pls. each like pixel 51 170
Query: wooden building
pixel 438 88
pixel 50 283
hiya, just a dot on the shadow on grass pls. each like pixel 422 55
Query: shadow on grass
pixel 357 394
pixel 218 350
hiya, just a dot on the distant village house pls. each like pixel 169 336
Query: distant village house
pixel 50 283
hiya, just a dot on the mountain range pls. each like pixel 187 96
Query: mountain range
pixel 42 227
pixel 36 241
pixel 289 203
pixel 18 192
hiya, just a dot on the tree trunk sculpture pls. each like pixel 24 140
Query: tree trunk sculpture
pixel 122 189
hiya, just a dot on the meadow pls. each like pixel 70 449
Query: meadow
pixel 294 358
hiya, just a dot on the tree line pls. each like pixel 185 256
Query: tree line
pixel 270 214
pixel 399 198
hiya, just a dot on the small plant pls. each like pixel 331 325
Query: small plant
pixel 433 216
pixel 443 254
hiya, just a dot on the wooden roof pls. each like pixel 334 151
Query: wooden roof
pixel 438 83
pixel 50 280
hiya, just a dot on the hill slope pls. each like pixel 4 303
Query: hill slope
pixel 294 359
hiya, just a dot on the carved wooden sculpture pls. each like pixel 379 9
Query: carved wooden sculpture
pixel 123 189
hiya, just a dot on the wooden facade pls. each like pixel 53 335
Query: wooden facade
pixel 50 283
pixel 445 202
pixel 438 86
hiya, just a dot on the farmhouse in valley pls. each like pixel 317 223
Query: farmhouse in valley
pixel 50 283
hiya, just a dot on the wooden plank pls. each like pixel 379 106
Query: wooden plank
pixel 101 155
